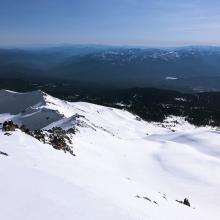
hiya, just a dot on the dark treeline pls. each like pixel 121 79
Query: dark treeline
pixel 148 103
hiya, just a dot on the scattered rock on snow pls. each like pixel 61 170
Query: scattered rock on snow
pixel 3 153
pixel 147 198
pixel 57 136
pixel 8 134
pixel 184 202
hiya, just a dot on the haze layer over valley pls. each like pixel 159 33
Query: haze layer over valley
pixel 191 69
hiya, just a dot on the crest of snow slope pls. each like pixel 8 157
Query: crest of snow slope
pixel 31 109
pixel 117 158
pixel 14 102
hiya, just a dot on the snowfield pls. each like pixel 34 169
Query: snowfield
pixel 124 168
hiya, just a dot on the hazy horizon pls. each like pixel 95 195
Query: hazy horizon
pixel 50 45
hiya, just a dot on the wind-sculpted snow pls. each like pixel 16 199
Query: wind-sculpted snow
pixel 38 119
pixel 14 103
pixel 30 109
pixel 124 169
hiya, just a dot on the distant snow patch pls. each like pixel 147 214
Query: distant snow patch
pixel 181 99
pixel 171 78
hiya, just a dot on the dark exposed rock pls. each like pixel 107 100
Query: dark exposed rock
pixel 9 126
pixel 57 142
pixel 71 131
pixel 138 118
pixel 3 153
pixel 59 139
pixel 147 199
pixel 39 135
pixel 7 134
pixel 184 202
pixel 79 116
pixel 164 196
pixel 24 129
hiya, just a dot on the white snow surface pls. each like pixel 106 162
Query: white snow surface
pixel 119 160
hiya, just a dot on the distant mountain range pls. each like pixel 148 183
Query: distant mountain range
pixel 185 68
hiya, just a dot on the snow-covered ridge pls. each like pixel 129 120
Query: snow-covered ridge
pixel 38 110
pixel 30 108
pixel 142 54
pixel 14 102
pixel 124 169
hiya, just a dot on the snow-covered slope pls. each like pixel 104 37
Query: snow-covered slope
pixel 14 102
pixel 124 169
pixel 31 109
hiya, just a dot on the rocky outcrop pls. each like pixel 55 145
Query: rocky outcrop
pixel 60 140
pixel 56 137
pixel 9 126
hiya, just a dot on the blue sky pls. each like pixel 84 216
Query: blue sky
pixel 117 22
